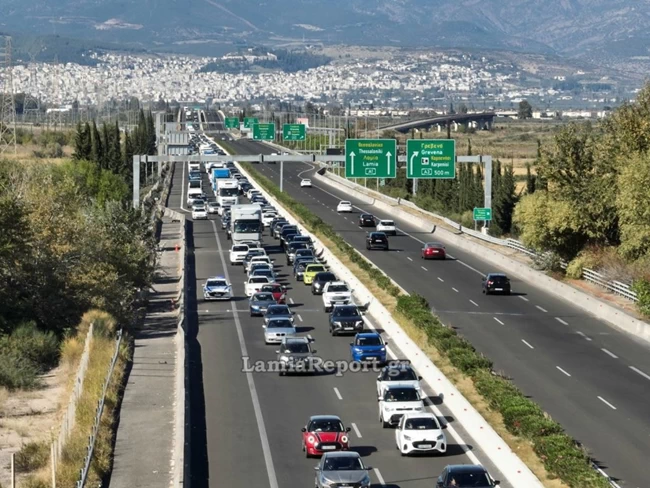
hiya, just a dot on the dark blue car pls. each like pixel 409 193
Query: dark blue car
pixel 368 346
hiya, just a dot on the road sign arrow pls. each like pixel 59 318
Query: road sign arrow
pixel 414 155
pixel 352 162
pixel 388 155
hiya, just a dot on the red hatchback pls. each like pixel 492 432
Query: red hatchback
pixel 324 433
pixel 279 292
pixel 433 250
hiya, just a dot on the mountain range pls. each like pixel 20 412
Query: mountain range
pixel 605 31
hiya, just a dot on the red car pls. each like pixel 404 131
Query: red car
pixel 324 433
pixel 279 292
pixel 433 250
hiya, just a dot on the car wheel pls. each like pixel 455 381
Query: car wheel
pixel 386 248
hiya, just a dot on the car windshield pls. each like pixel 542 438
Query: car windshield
pixel 247 226
pixel 421 424
pixel 263 272
pixel 345 203
pixel 239 248
pixel 278 311
pixel 263 297
pixel 280 323
pixel 342 463
pixel 217 283
pixel 338 288
pixel 252 254
pixel 199 208
pixel 369 341
pixel 346 312
pixel 296 348
pixel 325 425
pixel 315 268
pixel 296 246
pixel 259 279
pixel 228 192
pixel 401 395
pixel 325 277
pixel 467 480
pixel 498 279
pixel 399 374
pixel 387 222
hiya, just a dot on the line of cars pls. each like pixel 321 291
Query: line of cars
pixel 401 402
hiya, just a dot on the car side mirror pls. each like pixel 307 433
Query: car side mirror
pixel 439 484
pixel 316 468
pixel 379 399
pixel 497 482
pixel 352 343
pixel 314 351
pixel 277 352
pixel 368 468
pixel 304 429
pixel 348 429
pixel 419 378
pixel 263 326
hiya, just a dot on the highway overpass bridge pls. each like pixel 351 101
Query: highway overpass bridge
pixel 481 121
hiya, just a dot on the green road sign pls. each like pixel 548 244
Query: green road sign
pixel 431 159
pixel 249 122
pixel 481 213
pixel 264 132
pixel 370 158
pixel 294 132
pixel 232 123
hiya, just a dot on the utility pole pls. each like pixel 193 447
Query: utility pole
pixel 7 102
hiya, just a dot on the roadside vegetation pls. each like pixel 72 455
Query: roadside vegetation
pixel 556 458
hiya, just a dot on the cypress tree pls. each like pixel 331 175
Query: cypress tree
pixel 97 151
pixel 540 182
pixel 505 201
pixel 127 157
pixel 82 142
pixel 116 153
pixel 139 142
pixel 530 180
pixel 105 162
pixel 479 198
pixel 151 135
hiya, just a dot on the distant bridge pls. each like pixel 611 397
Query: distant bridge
pixel 481 121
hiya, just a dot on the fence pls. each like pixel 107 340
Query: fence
pixel 69 417
pixel 83 475
pixel 590 275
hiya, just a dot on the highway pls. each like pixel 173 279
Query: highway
pixel 246 426
pixel 590 377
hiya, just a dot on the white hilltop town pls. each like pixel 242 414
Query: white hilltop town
pixel 410 81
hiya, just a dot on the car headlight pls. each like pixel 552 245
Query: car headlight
pixel 311 439
pixel 358 349
pixel 441 437
pixel 338 324
pixel 407 438
pixel 344 439
pixel 284 358
pixel 383 349
pixel 419 409
pixel 389 409
pixel 359 322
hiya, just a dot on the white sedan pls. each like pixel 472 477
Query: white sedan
pixel 344 206
pixel 213 207
pixel 420 432
pixel 254 284
pixel 199 213
pixel 217 288
pixel 306 183
pixel 387 227
pixel 238 253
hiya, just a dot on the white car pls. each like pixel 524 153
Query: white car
pixel 397 401
pixel 387 226
pixel 268 217
pixel 252 192
pixel 213 207
pixel 262 258
pixel 420 432
pixel 306 183
pixel 336 293
pixel 400 374
pixel 237 253
pixel 199 212
pixel 344 206
pixel 217 288
pixel 254 284
pixel 258 266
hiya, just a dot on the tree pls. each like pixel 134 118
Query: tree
pixel 107 143
pixel 96 151
pixel 82 142
pixel 469 147
pixel 525 110
pixel 127 156
pixel 151 136
pixel 505 200
pixel 633 203
pixel 530 180
pixel 116 151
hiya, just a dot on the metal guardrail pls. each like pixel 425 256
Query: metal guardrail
pixel 83 475
pixel 590 275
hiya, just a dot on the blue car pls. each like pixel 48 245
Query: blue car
pixel 368 346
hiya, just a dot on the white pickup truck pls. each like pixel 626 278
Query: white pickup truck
pixel 336 293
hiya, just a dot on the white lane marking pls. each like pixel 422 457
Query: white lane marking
pixel 609 353
pixel 637 370
pixel 379 477
pixel 300 317
pixel 356 430
pixel 563 322
pixel 474 303
pixel 291 301
pixel 469 267
pixel 498 320
pixel 266 448
pixel 409 259
pixel 440 279
pixel 583 335
pixel 560 369
pixel 523 298
pixel 540 308
pixel 338 393
pixel 425 269
pixel 607 403
pixel 455 289
pixel 527 344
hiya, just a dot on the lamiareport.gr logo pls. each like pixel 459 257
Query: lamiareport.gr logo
pixel 317 365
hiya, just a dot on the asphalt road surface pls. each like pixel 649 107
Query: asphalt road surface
pixel 246 426
pixel 590 377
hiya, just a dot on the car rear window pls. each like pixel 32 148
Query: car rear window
pixel 240 248
pixel 387 222
pixel 499 279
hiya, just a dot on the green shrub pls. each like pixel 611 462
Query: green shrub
pixel 642 290
pixel 575 267
pixel 534 425
pixel 468 360
pixel 32 456
pixel 15 372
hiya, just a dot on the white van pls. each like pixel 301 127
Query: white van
pixel 194 194
pixel 195 166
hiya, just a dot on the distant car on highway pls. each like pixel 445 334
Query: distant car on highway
pixel 320 280
pixel 238 253
pixel 395 401
pixel 311 270
pixel 366 220
pixel 401 374
pixel 254 284
pixel 277 329
pixel 305 183
pixel 345 319
pixel 368 346
pixel 377 240
pixel 217 288
pixel 199 212
pixel 300 264
pixel 324 433
pixel 344 206
pixel 420 432
pixel 343 468
pixel 296 355
pixel 278 312
pixel 387 226
pixel 213 207
pixel 460 475
pixel 278 291
pixel 496 283
pixel 259 302
pixel 433 250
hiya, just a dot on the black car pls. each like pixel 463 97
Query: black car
pixel 377 240
pixel 292 248
pixel 299 266
pixel 496 283
pixel 319 282
pixel 465 475
pixel 366 220
pixel 345 319
pixel 287 237
pixel 285 228
pixel 277 224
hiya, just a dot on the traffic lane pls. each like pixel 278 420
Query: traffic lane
pixel 355 396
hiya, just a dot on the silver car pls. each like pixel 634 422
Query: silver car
pixel 342 468
pixel 277 329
